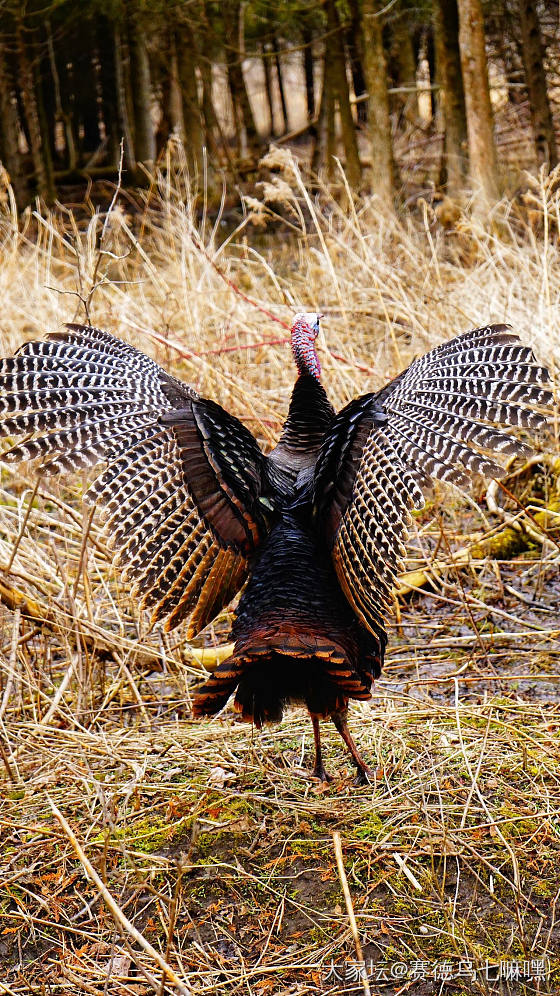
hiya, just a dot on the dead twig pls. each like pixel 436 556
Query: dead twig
pixel 114 907
pixel 350 909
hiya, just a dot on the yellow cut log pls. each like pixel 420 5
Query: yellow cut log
pixel 209 657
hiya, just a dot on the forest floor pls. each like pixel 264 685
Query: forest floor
pixel 144 852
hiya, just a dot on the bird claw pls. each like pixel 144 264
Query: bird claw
pixel 321 774
pixel 366 776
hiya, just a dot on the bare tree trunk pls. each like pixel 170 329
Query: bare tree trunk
pixel 214 134
pixel 194 133
pixel 9 131
pixel 355 46
pixel 108 82
pixel 237 115
pixel 45 94
pixel 330 128
pixel 19 98
pixel 122 105
pixel 162 84
pixel 507 48
pixel 231 10
pixel 268 87
pixel 41 156
pixel 482 150
pixel 281 88
pixel 440 92
pixel 379 122
pixel 402 52
pixel 455 115
pixel 533 61
pixel 46 120
pixel 61 115
pixel 86 85
pixel 175 103
pixel 141 86
pixel 213 130
pixel 324 148
pixel 337 69
pixel 430 48
pixel 165 74
pixel 307 40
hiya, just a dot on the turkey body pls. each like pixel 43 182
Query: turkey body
pixel 296 637
pixel 312 534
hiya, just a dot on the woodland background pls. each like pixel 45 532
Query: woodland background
pixel 393 166
pixel 405 92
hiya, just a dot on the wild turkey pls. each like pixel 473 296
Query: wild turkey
pixel 317 528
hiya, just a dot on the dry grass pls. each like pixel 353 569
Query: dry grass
pixel 213 850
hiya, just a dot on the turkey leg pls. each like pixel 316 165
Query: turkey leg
pixel 319 769
pixel 365 774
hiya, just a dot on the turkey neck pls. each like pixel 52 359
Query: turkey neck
pixel 309 416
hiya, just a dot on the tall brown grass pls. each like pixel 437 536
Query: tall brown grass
pixel 390 286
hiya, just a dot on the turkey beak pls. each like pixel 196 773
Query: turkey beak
pixel 316 328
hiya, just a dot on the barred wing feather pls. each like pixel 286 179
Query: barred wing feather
pixel 180 492
pixel 440 419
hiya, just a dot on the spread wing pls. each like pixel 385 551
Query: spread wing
pixel 183 479
pixel 440 419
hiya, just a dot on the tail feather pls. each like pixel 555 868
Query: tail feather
pixel 217 690
pixel 276 664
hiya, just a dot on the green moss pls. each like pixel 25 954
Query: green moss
pixel 149 835
pixel 506 544
pixel 15 794
pixel 544 889
pixel 533 769
pixel 370 829
pixel 318 935
pixel 308 847
pixel 518 827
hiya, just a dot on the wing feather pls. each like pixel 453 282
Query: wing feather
pixel 441 419
pixel 181 487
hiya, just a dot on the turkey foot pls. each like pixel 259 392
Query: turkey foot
pixel 322 774
pixel 319 768
pixel 365 774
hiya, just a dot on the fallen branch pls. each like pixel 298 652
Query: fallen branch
pixel 514 538
pixel 91 637
pixel 14 599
